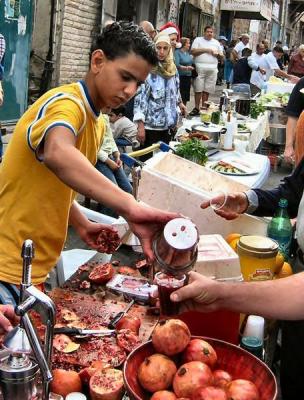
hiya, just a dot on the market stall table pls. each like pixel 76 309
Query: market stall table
pixel 259 128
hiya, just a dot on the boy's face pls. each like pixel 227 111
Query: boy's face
pixel 116 81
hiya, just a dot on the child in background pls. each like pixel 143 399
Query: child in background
pixel 122 127
pixel 110 165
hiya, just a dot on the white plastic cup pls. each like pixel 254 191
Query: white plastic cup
pixel 76 396
pixel 218 204
pixel 255 327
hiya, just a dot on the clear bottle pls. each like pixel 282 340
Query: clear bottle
pixel 264 86
pixel 280 228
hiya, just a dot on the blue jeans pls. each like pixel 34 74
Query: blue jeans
pixel 119 178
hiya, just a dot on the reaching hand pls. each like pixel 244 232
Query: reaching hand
pixel 200 294
pixel 235 204
pixel 183 109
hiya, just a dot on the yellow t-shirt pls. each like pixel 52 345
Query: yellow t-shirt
pixel 34 203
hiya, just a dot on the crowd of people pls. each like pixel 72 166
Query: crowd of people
pixel 62 145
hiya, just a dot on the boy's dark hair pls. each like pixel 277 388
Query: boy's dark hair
pixel 246 52
pixel 278 49
pixel 119 110
pixel 121 38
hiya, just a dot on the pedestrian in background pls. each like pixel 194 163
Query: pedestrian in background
pixel 254 61
pixel 206 51
pixel 156 105
pixel 229 62
pixel 242 44
pixel 183 62
pixel 221 62
pixel 296 64
pixel 110 165
pixel 242 70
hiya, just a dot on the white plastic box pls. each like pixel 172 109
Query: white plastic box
pixel 174 184
pixel 217 259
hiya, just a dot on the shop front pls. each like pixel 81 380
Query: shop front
pixel 192 20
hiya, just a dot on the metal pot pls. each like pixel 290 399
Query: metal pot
pixel 210 135
pixel 277 134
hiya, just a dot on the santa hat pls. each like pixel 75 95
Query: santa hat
pixel 169 25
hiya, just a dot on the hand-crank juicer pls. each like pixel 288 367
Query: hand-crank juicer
pixel 23 355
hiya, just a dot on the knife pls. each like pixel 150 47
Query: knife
pixel 77 331
pixel 118 316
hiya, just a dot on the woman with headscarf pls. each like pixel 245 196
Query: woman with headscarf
pixel 156 106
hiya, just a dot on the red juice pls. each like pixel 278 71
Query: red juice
pixel 166 285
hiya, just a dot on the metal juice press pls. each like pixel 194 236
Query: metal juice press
pixel 23 354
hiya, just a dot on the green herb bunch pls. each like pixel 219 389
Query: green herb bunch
pixel 256 108
pixel 192 150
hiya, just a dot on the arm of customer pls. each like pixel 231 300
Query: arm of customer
pixel 289 152
pixel 283 74
pixel 259 298
pixel 62 157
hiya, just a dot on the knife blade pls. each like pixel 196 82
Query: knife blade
pixel 77 331
pixel 118 316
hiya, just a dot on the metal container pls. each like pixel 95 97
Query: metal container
pixel 212 132
pixel 277 134
pixel 175 249
pixel 242 106
pixel 18 376
pixel 277 116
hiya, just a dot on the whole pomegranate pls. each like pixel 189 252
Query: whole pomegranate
pixel 191 376
pixel 200 350
pixel 221 378
pixel 163 395
pixel 170 336
pixel 65 382
pixel 242 389
pixel 156 373
pixel 209 393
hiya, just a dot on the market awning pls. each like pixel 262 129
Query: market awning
pixel 249 9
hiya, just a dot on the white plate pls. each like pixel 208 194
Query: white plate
pixel 247 169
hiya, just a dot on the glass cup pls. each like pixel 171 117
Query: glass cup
pixel 218 200
pixel 166 285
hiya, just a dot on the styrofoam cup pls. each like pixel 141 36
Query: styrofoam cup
pixel 255 327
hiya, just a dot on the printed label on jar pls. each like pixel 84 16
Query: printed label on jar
pixel 261 275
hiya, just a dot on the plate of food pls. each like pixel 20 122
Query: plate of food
pixel 231 167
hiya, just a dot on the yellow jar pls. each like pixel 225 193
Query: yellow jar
pixel 205 116
pixel 257 257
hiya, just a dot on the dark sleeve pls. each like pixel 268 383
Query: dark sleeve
pixel 296 101
pixel 291 189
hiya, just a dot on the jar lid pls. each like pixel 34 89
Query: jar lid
pixel 261 244
pixel 252 342
pixel 181 234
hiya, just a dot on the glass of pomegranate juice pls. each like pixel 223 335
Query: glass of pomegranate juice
pixel 166 285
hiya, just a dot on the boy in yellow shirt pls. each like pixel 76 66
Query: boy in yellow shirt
pixel 52 154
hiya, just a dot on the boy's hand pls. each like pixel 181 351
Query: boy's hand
pixel 117 159
pixel 112 164
pixel 141 134
pixel 91 231
pixel 146 222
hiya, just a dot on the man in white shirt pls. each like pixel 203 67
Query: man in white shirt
pixel 206 52
pixel 254 63
pixel 270 65
pixel 241 45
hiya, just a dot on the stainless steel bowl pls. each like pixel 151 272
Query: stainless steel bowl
pixel 212 132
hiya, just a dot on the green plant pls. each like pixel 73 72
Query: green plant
pixel 256 109
pixel 192 150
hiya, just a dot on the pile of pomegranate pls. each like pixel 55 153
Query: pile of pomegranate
pixel 197 378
